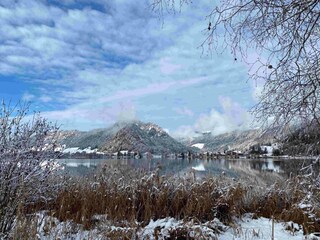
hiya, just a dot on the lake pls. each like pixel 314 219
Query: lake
pixel 180 167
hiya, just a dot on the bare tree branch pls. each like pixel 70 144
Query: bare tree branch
pixel 285 33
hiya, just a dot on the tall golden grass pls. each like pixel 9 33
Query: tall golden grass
pixel 129 198
pixel 125 198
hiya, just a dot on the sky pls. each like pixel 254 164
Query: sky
pixel 87 64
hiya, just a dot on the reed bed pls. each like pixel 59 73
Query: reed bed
pixel 124 201
pixel 129 198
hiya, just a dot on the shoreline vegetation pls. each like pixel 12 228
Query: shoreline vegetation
pixel 124 201
pixel 39 201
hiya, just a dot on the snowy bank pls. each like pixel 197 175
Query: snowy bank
pixel 170 228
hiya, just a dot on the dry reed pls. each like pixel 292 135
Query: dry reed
pixel 137 199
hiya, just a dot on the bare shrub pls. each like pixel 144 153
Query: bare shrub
pixel 26 161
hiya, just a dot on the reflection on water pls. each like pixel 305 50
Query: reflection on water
pixel 180 167
pixel 200 167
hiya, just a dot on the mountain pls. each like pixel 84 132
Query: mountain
pixel 149 137
pixel 132 136
pixel 239 140
pixel 94 138
pixel 303 141
pixel 143 137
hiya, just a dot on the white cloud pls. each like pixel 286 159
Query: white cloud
pixel 127 112
pixel 232 117
pixel 45 99
pixel 90 60
pixel 61 37
pixel 91 117
pixel 27 97
pixel 167 67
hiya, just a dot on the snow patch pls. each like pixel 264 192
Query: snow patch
pixel 198 145
pixel 261 229
pixel 78 150
pixel 244 228
pixel 162 224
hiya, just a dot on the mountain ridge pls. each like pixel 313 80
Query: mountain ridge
pixel 236 140
pixel 132 136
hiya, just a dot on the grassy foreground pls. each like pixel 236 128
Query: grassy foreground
pixel 128 198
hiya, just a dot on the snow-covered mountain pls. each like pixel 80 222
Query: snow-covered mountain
pixel 94 138
pixel 143 137
pixel 132 136
pixel 139 136
pixel 239 140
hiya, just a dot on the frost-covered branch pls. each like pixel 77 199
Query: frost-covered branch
pixel 26 160
pixel 284 36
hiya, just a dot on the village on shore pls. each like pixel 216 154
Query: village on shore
pixel 256 151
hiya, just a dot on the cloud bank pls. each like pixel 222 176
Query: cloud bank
pixel 231 117
pixel 87 64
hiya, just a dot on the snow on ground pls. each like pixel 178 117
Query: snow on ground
pixel 261 229
pixel 162 226
pixel 51 228
pixel 245 228
pixel 268 149
pixel 168 227
pixel 78 150
pixel 198 145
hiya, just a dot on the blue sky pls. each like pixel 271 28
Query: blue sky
pixel 87 64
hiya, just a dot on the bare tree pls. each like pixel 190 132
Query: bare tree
pixel 285 35
pixel 26 162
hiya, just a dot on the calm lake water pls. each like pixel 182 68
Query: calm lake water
pixel 180 167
